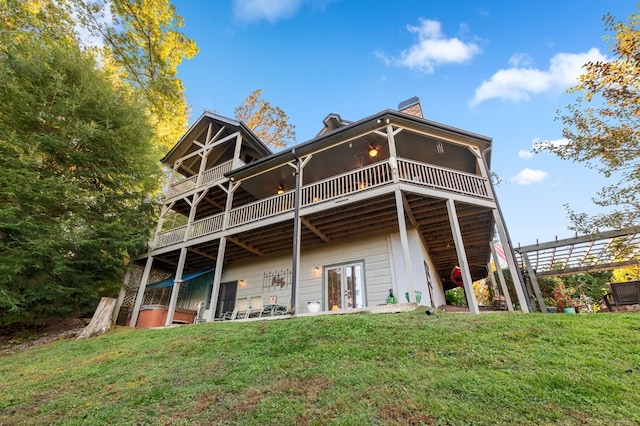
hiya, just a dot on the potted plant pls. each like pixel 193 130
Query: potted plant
pixel 563 300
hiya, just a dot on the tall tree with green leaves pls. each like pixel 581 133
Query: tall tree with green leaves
pixel 270 124
pixel 77 165
pixel 142 42
pixel 602 128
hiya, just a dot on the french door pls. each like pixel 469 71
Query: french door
pixel 345 286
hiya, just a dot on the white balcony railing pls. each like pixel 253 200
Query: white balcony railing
pixel 172 236
pixel 335 187
pixel 205 226
pixel 216 173
pixel 182 186
pixel 441 178
pixel 212 175
pixel 345 184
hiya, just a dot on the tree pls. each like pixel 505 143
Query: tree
pixel 269 123
pixel 77 164
pixel 602 128
pixel 142 42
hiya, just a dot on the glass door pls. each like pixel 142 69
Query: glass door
pixel 226 298
pixel 345 286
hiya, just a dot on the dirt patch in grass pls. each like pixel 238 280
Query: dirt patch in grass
pixel 54 329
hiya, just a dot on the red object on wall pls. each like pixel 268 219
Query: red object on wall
pixel 456 276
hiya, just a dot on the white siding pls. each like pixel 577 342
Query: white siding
pixel 373 251
pixel 418 255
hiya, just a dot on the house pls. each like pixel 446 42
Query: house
pixel 391 202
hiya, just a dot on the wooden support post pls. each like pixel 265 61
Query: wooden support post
pixel 404 241
pixel 217 276
pixel 462 257
pixel 534 283
pixel 511 261
pixel 140 295
pixel 123 293
pixel 503 282
pixel 176 286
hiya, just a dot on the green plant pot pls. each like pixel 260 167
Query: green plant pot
pixel 418 297
pixel 569 310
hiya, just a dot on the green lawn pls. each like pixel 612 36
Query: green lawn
pixel 360 369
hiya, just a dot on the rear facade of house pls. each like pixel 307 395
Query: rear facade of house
pixel 388 203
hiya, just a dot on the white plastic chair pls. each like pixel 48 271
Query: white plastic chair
pixel 201 312
pixel 256 306
pixel 242 308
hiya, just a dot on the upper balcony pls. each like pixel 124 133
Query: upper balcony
pixel 183 185
pixel 318 193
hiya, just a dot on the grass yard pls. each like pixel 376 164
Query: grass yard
pixel 360 369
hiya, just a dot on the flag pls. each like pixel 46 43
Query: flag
pixel 500 252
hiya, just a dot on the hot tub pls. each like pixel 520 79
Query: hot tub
pixel 156 316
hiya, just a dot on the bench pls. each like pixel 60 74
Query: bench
pixel 626 293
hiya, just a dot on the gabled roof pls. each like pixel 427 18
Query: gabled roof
pixel 332 122
pixel 201 124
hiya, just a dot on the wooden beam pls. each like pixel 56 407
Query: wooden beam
pixel 314 229
pixel 245 246
pixel 201 253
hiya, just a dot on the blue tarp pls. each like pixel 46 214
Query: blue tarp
pixel 185 277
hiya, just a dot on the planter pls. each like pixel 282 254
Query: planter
pixel 569 310
pixel 313 307
pixel 418 297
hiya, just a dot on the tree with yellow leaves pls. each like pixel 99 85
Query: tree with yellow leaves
pixel 270 124
pixel 142 42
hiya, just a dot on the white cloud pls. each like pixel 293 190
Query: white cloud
pixel 520 59
pixel 528 176
pixel 431 49
pixel 525 154
pixel 538 144
pixel 518 84
pixel 269 10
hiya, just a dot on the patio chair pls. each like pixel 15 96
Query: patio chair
pixel 242 308
pixel 625 293
pixel 201 312
pixel 255 308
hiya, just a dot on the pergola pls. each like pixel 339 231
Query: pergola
pixel 601 251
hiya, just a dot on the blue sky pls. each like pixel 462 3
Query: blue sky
pixel 498 68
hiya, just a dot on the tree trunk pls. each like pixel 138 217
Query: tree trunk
pixel 102 319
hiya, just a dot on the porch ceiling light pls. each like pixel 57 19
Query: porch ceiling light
pixel 280 189
pixel 373 151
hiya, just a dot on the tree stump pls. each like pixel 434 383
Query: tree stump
pixel 102 319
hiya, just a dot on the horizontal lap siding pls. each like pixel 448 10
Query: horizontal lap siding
pixel 373 251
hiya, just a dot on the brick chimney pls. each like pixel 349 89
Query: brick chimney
pixel 411 106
